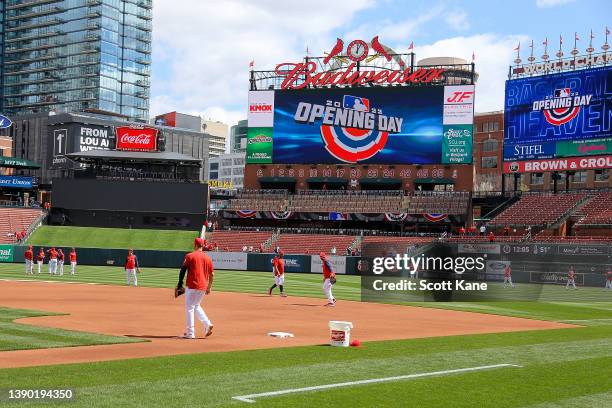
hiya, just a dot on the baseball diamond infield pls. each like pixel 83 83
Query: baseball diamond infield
pixel 241 321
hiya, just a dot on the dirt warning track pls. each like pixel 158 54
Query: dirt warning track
pixel 241 321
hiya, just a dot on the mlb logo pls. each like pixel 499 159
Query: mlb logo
pixel 562 93
pixel 356 103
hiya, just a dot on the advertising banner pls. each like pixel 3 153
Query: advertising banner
pixel 377 125
pixel 16 182
pixel 6 253
pixel 261 109
pixel 229 260
pixel 338 262
pixel 585 148
pixel 571 164
pixel 496 267
pixel 136 138
pixel 457 144
pixel 478 249
pixel 259 145
pixel 550 109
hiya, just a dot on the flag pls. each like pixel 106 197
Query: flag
pixel 592 36
pixel 545 42
pixel 607 31
pixel 473 56
pixel 411 47
pixel 576 37
pixel 560 40
pixel 518 47
pixel 251 64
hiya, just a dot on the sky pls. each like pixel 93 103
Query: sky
pixel 202 48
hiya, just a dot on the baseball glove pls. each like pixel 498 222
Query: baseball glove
pixel 332 280
pixel 178 291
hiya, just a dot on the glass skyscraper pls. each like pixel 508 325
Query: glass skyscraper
pixel 75 55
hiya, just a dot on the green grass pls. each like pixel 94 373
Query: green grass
pixel 560 368
pixel 20 336
pixel 86 237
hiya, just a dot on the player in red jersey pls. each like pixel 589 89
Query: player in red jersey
pixel 40 258
pixel 73 261
pixel 329 276
pixel 278 264
pixel 60 261
pixel 131 268
pixel 200 273
pixel 609 278
pixel 508 276
pixel 28 255
pixel 571 277
pixel 52 261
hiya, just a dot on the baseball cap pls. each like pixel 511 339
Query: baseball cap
pixel 282 252
pixel 199 242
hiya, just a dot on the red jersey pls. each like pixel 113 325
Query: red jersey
pixel 462 230
pixel 52 254
pixel 507 272
pixel 72 256
pixel 131 262
pixel 328 269
pixel 609 273
pixel 199 270
pixel 41 256
pixel 60 256
pixel 279 266
pixel 29 254
pixel 570 274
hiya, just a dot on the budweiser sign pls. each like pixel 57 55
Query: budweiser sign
pixel 142 139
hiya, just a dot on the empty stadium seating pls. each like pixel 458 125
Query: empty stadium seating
pixel 598 211
pixel 538 209
pixel 259 200
pixel 15 220
pixel 235 241
pixel 313 243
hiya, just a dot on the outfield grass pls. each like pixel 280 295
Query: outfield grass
pixel 20 336
pixel 87 237
pixel 559 368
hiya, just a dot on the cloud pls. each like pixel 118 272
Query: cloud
pixel 201 49
pixel 552 3
pixel 493 56
pixel 457 20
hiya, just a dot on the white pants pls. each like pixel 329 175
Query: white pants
pixel 570 282
pixel 279 280
pixel 508 280
pixel 131 276
pixel 327 290
pixel 29 267
pixel 608 284
pixel 193 298
pixel 72 268
pixel 60 264
pixel 39 263
pixel 52 266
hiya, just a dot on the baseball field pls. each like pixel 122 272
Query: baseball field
pixel 120 346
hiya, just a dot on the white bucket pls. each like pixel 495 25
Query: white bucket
pixel 340 333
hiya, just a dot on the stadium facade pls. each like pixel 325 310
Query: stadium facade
pixel 75 55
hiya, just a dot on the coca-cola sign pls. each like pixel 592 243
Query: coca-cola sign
pixel 143 139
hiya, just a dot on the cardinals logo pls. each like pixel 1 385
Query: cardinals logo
pixel 563 106
pixel 352 129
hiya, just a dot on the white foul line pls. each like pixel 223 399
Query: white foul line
pixel 251 397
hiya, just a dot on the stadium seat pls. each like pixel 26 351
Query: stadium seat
pixel 15 220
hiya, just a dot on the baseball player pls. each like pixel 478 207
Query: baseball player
pixel 28 255
pixel 73 261
pixel 200 273
pixel 571 277
pixel 329 278
pixel 609 278
pixel 131 268
pixel 52 261
pixel 278 264
pixel 60 261
pixel 508 276
pixel 40 258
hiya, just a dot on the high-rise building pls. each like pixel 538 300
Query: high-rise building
pixel 238 137
pixel 75 55
pixel 216 131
